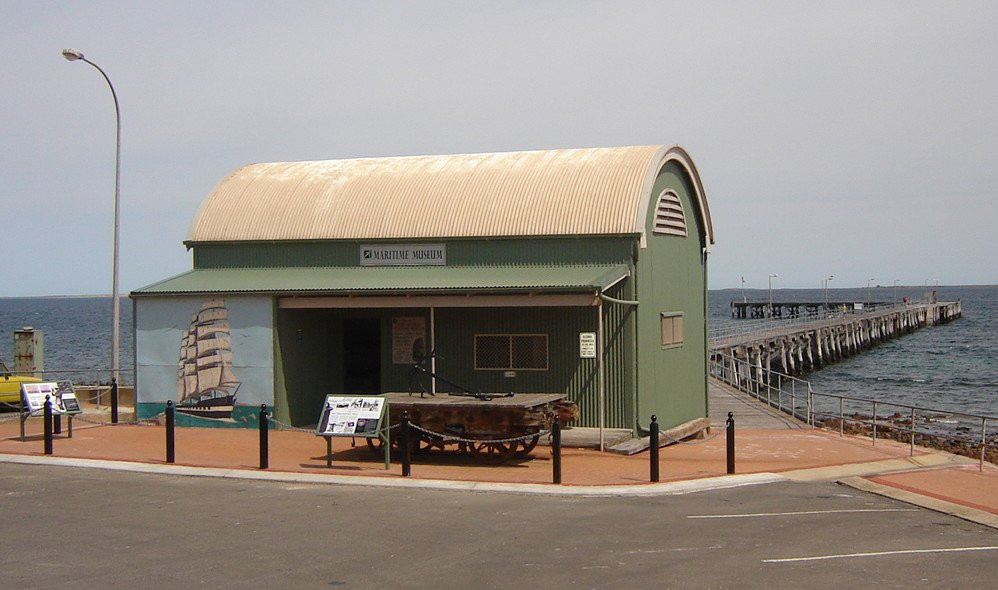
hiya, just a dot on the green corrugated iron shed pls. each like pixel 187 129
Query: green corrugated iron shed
pixel 539 248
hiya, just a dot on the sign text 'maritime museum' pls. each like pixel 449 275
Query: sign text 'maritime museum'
pixel 403 255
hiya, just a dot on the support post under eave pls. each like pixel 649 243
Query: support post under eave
pixel 433 350
pixel 599 377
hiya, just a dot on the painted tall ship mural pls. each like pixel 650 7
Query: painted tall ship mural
pixel 207 386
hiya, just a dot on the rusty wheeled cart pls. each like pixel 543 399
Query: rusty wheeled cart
pixel 500 428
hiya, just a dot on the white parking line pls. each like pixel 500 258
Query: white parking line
pixel 879 553
pixel 756 514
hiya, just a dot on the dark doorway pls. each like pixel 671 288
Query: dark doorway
pixel 362 355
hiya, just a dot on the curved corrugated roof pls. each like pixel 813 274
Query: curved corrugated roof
pixel 553 192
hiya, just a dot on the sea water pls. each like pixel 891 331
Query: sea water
pixel 951 366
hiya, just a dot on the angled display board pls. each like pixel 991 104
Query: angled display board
pixel 353 416
pixel 61 394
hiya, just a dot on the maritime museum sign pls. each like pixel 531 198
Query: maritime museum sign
pixel 403 254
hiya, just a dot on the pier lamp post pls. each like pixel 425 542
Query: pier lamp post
pixel 869 299
pixel 825 288
pixel 771 277
pixel 895 291
pixel 744 300
pixel 74 55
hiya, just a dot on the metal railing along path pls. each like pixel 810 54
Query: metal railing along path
pixel 732 331
pixel 796 397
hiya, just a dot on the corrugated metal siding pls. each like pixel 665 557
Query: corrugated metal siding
pixel 556 192
pixel 619 364
pixel 671 277
pixel 567 373
pixel 496 252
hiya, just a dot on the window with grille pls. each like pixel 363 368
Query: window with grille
pixel 672 329
pixel 669 215
pixel 511 352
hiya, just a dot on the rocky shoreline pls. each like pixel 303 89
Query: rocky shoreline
pixel 899 429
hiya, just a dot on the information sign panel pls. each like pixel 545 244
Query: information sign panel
pixel 347 415
pixel 61 395
pixel 67 398
pixel 587 345
pixel 34 394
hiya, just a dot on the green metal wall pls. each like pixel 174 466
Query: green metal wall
pixel 487 252
pixel 671 277
pixel 310 351
pixel 567 373
pixel 620 360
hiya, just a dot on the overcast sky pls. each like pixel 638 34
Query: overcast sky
pixel 854 139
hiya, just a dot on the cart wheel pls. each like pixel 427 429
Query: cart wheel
pixel 377 445
pixel 428 442
pixel 526 446
pixel 488 451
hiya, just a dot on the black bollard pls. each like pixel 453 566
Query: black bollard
pixel 556 449
pixel 114 400
pixel 730 429
pixel 653 446
pixel 170 455
pixel 48 425
pixel 264 435
pixel 404 443
pixel 56 423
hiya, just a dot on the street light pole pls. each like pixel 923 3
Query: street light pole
pixel 744 300
pixel 74 55
pixel 895 291
pixel 828 278
pixel 869 299
pixel 771 277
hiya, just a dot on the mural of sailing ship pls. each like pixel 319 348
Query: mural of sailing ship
pixel 207 386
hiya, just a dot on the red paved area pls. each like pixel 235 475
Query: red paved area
pixel 964 484
pixel 293 451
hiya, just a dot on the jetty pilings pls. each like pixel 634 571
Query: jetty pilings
pixel 796 349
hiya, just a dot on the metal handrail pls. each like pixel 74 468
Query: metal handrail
pixel 76 371
pixel 760 383
pixel 767 326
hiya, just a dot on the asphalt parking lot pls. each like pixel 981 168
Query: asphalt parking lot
pixel 72 527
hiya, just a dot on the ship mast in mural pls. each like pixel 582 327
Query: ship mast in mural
pixel 207 385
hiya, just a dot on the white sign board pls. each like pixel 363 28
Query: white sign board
pixel 61 395
pixel 403 255
pixel 587 345
pixel 344 415
pixel 857 306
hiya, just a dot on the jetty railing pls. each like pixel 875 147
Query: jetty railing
pixel 973 435
pixel 93 385
pixel 83 375
pixel 767 326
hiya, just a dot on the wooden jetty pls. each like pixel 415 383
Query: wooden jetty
pixel 792 350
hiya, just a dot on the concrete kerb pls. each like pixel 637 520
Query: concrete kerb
pixel 658 489
pixel 836 472
pixel 958 510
